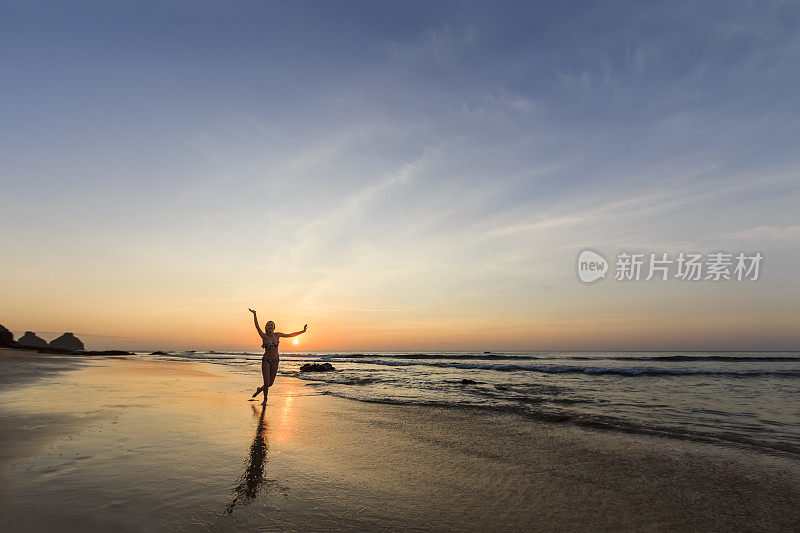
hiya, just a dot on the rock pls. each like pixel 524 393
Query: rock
pixel 31 339
pixel 6 338
pixel 159 353
pixel 85 353
pixel 468 382
pixel 317 367
pixel 67 341
pixel 60 351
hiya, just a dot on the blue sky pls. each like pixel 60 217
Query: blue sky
pixel 403 174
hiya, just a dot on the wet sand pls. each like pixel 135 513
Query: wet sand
pixel 133 445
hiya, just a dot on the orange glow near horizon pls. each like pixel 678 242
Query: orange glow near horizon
pixel 415 316
pixel 658 330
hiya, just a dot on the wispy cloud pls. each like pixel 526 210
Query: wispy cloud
pixel 434 161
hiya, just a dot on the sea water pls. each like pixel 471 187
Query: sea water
pixel 737 398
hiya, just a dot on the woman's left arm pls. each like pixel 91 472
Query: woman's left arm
pixel 295 334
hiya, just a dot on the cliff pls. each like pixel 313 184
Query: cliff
pixel 31 339
pixel 67 341
pixel 6 338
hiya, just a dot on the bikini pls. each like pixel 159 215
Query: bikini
pixel 269 343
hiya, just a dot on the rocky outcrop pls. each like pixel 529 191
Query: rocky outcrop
pixel 67 341
pixel 6 338
pixel 31 339
pixel 317 367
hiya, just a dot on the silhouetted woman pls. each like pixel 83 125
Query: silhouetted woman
pixel 269 363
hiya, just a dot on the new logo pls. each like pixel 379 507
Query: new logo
pixel 591 266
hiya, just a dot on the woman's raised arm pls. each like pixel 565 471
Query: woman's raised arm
pixel 295 334
pixel 258 328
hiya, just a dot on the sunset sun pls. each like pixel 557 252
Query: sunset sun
pixel 295 341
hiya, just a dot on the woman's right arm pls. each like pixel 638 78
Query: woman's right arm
pixel 258 328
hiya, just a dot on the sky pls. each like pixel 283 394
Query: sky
pixel 398 175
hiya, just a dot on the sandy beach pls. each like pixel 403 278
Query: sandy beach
pixel 133 445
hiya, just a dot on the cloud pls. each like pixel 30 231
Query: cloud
pixel 385 157
pixel 765 233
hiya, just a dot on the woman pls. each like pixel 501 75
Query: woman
pixel 269 363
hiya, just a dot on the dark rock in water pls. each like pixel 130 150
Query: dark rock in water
pixel 69 351
pixel 59 351
pixel 159 353
pixel 316 367
pixel 31 339
pixel 468 382
pixel 67 341
pixel 6 338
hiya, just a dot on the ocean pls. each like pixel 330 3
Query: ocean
pixel 749 399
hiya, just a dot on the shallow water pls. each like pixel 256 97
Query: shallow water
pixel 107 444
pixel 743 398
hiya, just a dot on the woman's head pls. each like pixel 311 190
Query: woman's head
pixel 269 327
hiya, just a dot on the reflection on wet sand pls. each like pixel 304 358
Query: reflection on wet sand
pixel 252 479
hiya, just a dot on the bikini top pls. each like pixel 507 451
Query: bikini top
pixel 269 343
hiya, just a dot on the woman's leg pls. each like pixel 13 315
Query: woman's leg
pixel 265 370
pixel 273 371
pixel 269 377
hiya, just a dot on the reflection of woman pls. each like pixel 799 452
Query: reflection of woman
pixel 253 476
pixel 269 363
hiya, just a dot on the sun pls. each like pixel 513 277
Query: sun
pixel 295 341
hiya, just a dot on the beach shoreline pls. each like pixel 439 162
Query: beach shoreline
pixel 151 445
